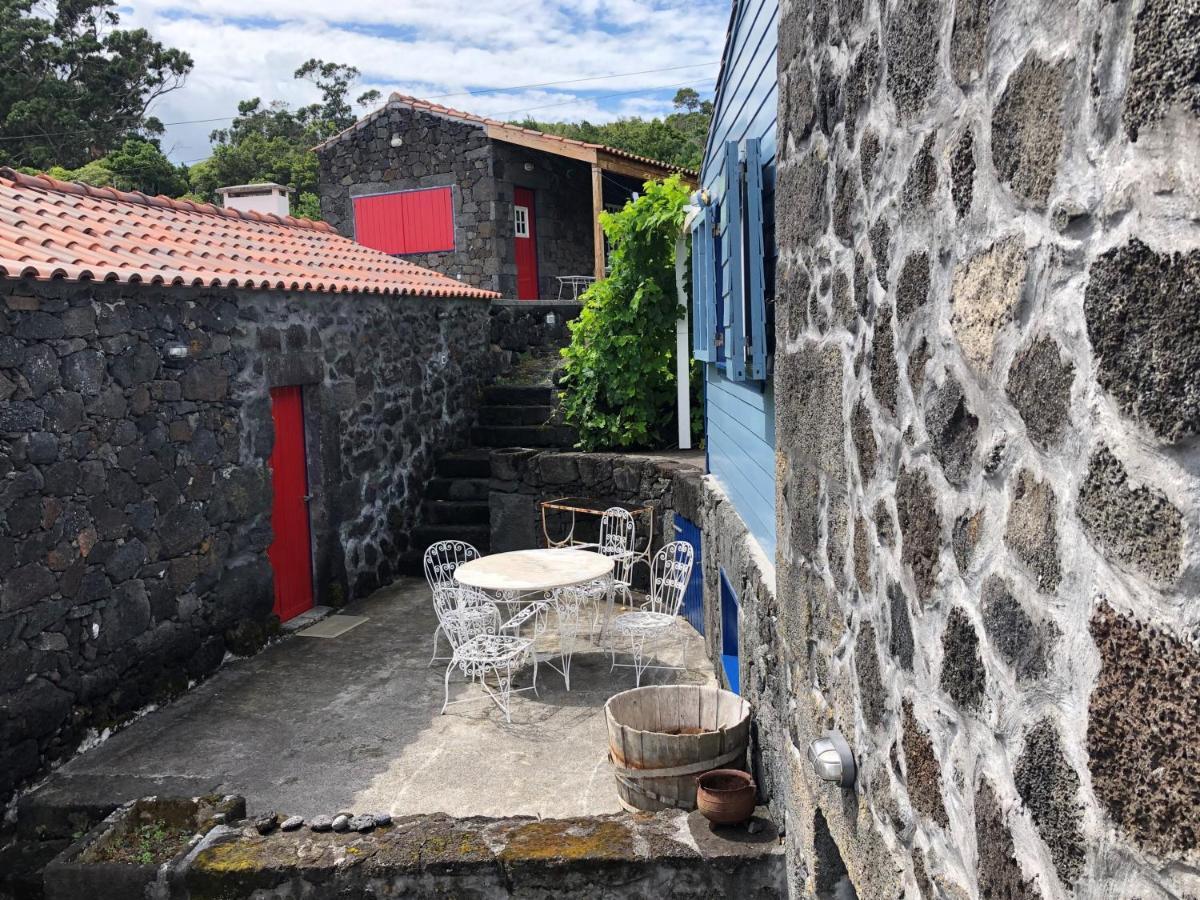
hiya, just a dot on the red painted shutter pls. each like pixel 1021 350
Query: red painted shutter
pixel 406 222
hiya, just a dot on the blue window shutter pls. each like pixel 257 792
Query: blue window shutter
pixel 756 301
pixel 735 303
pixel 704 288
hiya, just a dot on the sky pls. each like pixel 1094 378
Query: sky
pixel 437 49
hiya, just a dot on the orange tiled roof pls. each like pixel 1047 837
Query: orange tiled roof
pixel 60 229
pixel 398 99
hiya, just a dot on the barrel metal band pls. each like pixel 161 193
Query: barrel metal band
pixel 690 769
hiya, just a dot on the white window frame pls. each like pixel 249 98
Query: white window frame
pixel 521 221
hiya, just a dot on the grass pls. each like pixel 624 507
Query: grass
pixel 150 845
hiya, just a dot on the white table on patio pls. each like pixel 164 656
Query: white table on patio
pixel 521 577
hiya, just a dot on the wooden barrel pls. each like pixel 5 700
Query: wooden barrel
pixel 661 737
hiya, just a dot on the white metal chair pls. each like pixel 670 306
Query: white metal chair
pixel 617 533
pixel 498 650
pixel 669 573
pixel 441 560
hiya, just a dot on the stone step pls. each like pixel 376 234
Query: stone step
pixel 474 463
pixel 457 489
pixel 515 415
pixel 479 536
pixel 523 436
pixel 455 512
pixel 518 395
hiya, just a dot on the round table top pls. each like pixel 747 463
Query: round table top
pixel 533 570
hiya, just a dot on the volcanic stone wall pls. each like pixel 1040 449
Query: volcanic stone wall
pixel 135 497
pixel 434 151
pixel 988 383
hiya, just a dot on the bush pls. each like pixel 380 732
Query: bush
pixel 619 382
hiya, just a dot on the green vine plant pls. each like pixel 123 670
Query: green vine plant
pixel 619 375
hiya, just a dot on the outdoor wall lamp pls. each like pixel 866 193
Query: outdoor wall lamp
pixel 175 352
pixel 528 167
pixel 397 141
pixel 832 759
pixel 551 319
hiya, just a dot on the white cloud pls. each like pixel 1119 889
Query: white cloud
pixel 437 47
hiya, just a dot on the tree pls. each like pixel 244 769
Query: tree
pixel 678 138
pixel 274 142
pixel 619 377
pixel 137 165
pixel 75 86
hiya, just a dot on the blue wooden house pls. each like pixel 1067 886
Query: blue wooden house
pixel 733 269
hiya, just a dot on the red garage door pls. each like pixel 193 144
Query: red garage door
pixel 406 222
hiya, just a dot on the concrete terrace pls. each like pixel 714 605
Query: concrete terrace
pixel 312 726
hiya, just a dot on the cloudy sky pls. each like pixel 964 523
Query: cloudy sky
pixel 438 48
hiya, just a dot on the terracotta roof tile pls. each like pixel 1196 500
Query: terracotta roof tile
pixel 60 229
pixel 398 99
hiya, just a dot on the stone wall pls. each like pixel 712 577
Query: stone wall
pixel 520 326
pixel 989 478
pixel 135 497
pixel 523 478
pixel 434 152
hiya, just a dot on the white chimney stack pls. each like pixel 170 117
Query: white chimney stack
pixel 263 198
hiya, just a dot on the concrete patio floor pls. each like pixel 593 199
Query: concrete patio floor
pixel 315 725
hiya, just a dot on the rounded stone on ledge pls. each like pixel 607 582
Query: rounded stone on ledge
pixel 382 819
pixel 266 823
pixel 361 823
pixel 321 823
pixel 292 823
pixel 341 823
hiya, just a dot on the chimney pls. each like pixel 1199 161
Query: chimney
pixel 263 198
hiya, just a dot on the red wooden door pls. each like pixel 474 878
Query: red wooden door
pixel 526 250
pixel 291 551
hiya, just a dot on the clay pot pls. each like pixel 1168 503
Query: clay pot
pixel 726 796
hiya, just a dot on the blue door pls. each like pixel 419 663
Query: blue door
pixel 693 597
pixel 729 635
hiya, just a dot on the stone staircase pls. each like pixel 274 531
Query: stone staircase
pixel 520 410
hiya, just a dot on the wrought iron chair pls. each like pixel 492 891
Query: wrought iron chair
pixel 441 561
pixel 498 650
pixel 617 533
pixel 669 573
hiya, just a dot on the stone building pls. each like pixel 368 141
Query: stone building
pixel 162 364
pixel 498 206
pixel 987 475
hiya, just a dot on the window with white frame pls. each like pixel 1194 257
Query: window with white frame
pixel 521 221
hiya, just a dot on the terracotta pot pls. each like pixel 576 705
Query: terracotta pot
pixel 726 796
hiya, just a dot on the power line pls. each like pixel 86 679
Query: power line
pixel 665 87
pixel 522 87
pixel 49 134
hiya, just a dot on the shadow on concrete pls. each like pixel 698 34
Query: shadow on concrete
pixel 315 725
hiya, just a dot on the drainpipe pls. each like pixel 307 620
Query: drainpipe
pixel 682 358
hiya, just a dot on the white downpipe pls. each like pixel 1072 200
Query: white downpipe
pixel 682 358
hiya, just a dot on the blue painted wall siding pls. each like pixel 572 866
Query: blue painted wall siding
pixel 740 416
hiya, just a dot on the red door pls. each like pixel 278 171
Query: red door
pixel 291 551
pixel 526 238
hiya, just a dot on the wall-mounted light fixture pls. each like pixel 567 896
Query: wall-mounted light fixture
pixel 175 352
pixel 397 141
pixel 528 167
pixel 832 759
pixel 551 319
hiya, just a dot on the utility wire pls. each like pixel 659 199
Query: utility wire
pixel 665 87
pixel 518 87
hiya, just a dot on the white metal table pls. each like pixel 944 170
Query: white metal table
pixel 524 577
